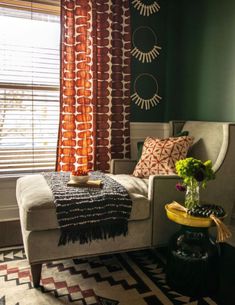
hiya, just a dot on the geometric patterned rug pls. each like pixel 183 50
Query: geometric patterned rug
pixel 134 278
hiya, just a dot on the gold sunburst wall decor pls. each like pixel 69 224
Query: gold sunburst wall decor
pixel 145 56
pixel 145 103
pixel 146 9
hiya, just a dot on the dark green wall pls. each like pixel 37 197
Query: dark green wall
pixel 197 63
pixel 201 60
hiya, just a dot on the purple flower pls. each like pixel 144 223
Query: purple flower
pixel 200 173
pixel 180 187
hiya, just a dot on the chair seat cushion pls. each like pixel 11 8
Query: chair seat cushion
pixel 37 208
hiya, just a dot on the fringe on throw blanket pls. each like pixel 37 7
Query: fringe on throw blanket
pixel 85 214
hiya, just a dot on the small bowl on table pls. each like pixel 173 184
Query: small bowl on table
pixel 79 177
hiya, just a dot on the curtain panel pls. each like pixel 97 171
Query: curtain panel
pixel 95 84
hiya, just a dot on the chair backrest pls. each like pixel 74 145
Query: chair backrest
pixel 210 139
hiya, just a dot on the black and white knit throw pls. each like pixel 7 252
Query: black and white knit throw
pixel 85 213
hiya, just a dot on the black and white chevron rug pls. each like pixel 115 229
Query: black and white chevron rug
pixel 134 278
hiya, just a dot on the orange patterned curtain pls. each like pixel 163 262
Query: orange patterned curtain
pixel 95 84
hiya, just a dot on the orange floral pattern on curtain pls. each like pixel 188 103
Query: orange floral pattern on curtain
pixel 95 84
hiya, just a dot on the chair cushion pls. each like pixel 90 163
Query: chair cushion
pixel 159 155
pixel 37 208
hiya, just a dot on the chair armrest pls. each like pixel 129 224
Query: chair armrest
pixel 162 190
pixel 122 166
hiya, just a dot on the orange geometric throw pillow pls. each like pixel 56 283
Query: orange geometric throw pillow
pixel 159 155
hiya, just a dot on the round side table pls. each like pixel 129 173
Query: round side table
pixel 193 256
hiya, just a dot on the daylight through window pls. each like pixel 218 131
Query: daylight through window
pixel 29 87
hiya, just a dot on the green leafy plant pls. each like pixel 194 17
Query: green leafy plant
pixel 194 170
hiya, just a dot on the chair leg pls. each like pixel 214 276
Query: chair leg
pixel 36 274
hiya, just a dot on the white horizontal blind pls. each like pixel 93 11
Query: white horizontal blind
pixel 29 89
pixel 51 7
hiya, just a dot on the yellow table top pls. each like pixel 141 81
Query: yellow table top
pixel 183 218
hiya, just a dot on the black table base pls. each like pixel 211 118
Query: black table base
pixel 193 262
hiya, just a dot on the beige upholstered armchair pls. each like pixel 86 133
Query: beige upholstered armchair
pixel 212 140
pixel 148 225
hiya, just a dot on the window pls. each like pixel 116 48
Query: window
pixel 29 85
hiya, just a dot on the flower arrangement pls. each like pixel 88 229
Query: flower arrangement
pixel 192 169
pixel 194 173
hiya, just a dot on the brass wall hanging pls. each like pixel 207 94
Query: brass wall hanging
pixel 145 103
pixel 141 55
pixel 146 9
